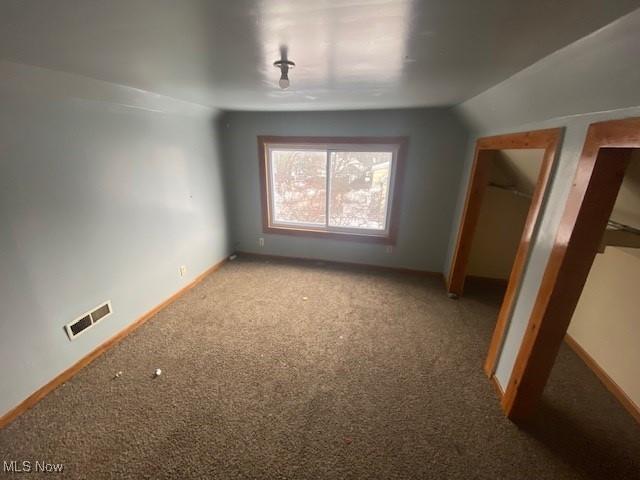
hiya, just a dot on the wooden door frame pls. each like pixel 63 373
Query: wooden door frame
pixel 600 171
pixel 549 140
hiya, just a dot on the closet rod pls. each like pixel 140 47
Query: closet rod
pixel 621 226
pixel 513 190
pixel 611 223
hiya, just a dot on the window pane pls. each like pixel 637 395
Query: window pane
pixel 298 182
pixel 359 189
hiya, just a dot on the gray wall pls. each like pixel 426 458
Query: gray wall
pixel 104 192
pixel 434 165
pixel 592 80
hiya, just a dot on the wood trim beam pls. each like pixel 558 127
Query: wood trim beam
pixel 522 254
pixel 66 375
pixel 521 140
pixel 547 139
pixel 600 171
pixel 470 216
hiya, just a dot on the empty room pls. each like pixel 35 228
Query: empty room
pixel 359 239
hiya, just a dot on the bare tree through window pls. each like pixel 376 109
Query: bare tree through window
pixel 299 186
pixel 331 189
pixel 359 189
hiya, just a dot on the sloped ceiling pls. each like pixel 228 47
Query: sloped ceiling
pixel 349 53
pixel 517 169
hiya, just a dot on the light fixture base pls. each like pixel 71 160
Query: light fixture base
pixel 284 66
pixel 283 63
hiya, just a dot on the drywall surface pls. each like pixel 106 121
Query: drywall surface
pixel 497 236
pixel 606 323
pixel 518 169
pixel 429 187
pixel 597 73
pixel 104 192
pixel 360 54
pixel 503 213
pixel 594 79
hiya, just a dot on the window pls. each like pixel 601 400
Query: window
pixel 337 187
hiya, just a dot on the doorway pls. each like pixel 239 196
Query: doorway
pixel 503 214
pixel 488 149
pixel 583 228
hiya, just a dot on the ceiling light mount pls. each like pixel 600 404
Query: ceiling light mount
pixel 284 65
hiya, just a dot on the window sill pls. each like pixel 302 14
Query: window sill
pixel 386 239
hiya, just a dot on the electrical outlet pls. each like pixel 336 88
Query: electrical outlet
pixel 183 270
pixel 389 248
pixel 261 242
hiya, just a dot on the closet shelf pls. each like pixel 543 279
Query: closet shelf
pixel 619 235
pixel 616 234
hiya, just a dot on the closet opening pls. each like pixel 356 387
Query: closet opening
pixel 605 327
pixel 503 214
pixel 589 288
pixel 507 185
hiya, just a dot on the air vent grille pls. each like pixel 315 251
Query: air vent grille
pixel 80 325
pixel 87 320
pixel 100 312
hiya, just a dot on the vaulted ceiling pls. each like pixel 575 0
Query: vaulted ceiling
pixel 519 169
pixel 348 54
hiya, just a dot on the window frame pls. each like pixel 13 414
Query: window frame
pixel 397 145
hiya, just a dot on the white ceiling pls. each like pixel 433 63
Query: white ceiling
pixel 349 53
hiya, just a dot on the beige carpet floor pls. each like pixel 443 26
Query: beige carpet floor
pixel 303 370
